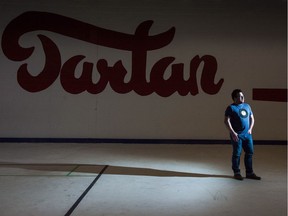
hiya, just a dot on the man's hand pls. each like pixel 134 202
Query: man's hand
pixel 235 137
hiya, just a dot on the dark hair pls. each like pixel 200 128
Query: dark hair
pixel 235 93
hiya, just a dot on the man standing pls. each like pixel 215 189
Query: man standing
pixel 239 120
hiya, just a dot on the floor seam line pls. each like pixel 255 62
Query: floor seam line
pixel 69 212
pixel 76 167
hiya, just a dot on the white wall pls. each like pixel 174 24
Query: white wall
pixel 248 41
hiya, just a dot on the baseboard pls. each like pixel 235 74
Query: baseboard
pixel 131 141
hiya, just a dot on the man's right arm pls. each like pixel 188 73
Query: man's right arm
pixel 230 128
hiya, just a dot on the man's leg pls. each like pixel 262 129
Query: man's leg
pixel 249 151
pixel 236 155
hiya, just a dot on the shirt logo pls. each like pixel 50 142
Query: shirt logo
pixel 243 113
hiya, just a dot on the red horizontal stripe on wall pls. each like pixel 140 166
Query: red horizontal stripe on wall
pixel 279 95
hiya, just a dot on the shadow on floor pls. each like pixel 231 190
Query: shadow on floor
pixel 96 169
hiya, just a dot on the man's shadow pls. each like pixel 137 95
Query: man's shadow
pixel 74 169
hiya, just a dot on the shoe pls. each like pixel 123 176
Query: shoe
pixel 253 176
pixel 238 177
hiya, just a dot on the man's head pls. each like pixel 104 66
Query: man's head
pixel 237 96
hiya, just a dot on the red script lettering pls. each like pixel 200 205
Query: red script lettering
pixel 138 44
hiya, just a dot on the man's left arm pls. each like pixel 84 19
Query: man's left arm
pixel 252 121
